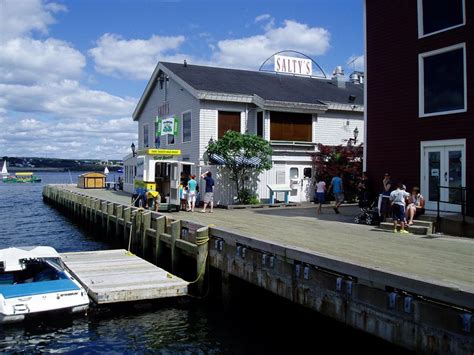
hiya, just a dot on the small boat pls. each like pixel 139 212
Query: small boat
pixel 33 280
pixel 22 178
pixel 106 171
pixel 4 172
pixel 120 170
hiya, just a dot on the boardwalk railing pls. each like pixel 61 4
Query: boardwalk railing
pixel 457 200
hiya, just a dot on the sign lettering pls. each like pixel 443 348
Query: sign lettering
pixel 293 65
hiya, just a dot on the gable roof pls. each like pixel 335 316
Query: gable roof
pixel 257 87
pixel 269 86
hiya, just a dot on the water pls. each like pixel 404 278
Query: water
pixel 254 322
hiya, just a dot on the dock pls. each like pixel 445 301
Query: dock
pixel 113 276
pixel 413 291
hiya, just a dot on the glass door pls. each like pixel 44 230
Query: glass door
pixel 443 166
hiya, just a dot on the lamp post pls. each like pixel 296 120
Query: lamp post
pixel 133 149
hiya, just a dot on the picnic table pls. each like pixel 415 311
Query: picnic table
pixel 274 188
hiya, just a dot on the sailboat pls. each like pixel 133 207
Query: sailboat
pixel 106 171
pixel 4 170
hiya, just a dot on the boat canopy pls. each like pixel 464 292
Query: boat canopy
pixel 10 258
pixel 23 174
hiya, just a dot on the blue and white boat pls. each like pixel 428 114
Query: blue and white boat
pixel 33 280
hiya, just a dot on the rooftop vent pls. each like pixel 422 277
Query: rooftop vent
pixel 338 77
pixel 357 77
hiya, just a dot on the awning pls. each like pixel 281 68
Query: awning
pixel 242 161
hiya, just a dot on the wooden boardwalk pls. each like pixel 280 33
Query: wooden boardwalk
pixel 414 291
pixel 112 276
pixel 441 261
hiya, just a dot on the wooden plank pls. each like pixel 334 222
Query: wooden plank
pixel 112 276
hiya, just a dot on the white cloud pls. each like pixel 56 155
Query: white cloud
pixel 21 17
pixel 262 17
pixel 356 62
pixel 134 58
pixel 67 99
pixel 267 19
pixel 27 61
pixel 44 109
pixel 250 52
pixel 29 136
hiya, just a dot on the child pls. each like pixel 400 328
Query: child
pixel 398 200
pixel 192 188
pixel 320 194
pixel 183 193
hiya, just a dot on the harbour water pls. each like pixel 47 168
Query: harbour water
pixel 253 322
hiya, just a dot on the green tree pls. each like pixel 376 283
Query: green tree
pixel 243 155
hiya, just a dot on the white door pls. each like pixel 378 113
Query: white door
pixel 174 183
pixel 300 183
pixel 444 166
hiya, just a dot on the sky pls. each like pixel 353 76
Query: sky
pixel 72 72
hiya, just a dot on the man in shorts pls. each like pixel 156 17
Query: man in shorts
pixel 398 199
pixel 338 190
pixel 208 192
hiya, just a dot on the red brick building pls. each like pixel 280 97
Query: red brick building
pixel 420 96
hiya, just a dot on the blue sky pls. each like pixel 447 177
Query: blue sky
pixel 71 72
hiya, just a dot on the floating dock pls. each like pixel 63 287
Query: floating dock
pixel 113 276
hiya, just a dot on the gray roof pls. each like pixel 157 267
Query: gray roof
pixel 269 86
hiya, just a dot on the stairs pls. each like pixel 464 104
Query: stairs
pixel 419 227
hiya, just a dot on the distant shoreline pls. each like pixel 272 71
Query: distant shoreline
pixel 60 170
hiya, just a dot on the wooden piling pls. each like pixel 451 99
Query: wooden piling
pixel 159 230
pixel 202 241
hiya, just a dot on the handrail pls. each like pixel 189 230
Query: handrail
pixel 463 200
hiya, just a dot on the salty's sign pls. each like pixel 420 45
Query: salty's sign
pixel 293 65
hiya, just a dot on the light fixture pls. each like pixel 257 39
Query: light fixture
pixel 356 134
pixel 133 149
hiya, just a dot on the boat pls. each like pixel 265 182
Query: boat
pixel 33 280
pixel 22 178
pixel 4 172
pixel 106 171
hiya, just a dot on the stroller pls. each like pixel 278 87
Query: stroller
pixel 369 213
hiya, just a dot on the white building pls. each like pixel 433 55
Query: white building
pixel 294 113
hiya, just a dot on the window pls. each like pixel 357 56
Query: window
pixel 307 172
pixel 294 173
pixel 170 138
pixel 227 121
pixel 288 126
pixel 157 137
pixel 442 81
pixel 145 135
pixel 260 124
pixel 186 119
pixel 435 16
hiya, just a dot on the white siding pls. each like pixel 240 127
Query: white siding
pixel 252 121
pixel 208 120
pixel 331 127
pixel 266 125
pixel 179 101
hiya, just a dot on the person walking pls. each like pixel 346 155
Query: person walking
pixel 192 190
pixel 337 187
pixel 320 194
pixel 398 199
pixel 209 191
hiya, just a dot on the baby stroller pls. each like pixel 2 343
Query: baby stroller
pixel 369 213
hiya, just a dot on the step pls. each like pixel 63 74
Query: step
pixel 418 223
pixel 419 230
